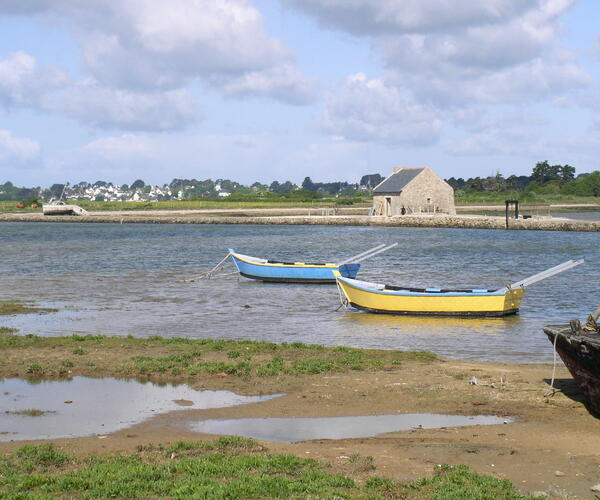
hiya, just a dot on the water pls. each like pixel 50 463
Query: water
pixel 291 430
pixel 590 216
pixel 85 406
pixel 117 279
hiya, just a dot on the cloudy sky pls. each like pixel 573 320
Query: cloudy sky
pixel 280 89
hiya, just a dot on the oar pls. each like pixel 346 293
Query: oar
pixel 565 266
pixel 362 254
pixel 375 253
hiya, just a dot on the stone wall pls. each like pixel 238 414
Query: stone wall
pixel 426 193
pixel 439 221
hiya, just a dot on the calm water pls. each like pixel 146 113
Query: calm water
pixel 123 279
pixel 290 430
pixel 84 406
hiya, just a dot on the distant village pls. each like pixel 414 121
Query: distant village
pixel 181 189
pixel 545 178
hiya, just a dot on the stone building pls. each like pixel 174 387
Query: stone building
pixel 413 191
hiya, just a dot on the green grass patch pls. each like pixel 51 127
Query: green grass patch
pixel 184 357
pixel 460 482
pixel 30 412
pixel 35 369
pixel 11 307
pixel 6 329
pixel 228 468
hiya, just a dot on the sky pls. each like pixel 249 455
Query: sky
pixel 263 90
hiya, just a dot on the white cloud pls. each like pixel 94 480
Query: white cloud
pixel 370 110
pixel 144 46
pixel 20 150
pixel 109 108
pixel 496 141
pixel 377 17
pixel 532 81
pixel 283 82
pixel 120 148
pixel 172 41
pixel 463 52
pixel 22 83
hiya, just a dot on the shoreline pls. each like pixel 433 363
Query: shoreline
pixel 528 451
pixel 264 217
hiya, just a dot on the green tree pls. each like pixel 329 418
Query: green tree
pixel 544 172
pixel 567 173
pixel 308 184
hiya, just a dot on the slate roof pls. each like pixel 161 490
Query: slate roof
pixel 396 182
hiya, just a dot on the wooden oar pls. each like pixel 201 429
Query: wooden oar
pixel 542 275
pixel 372 254
pixel 362 254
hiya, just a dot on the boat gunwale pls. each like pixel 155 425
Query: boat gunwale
pixel 466 314
pixel 407 292
pixel 301 265
pixel 308 281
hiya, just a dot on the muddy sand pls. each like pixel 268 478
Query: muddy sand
pixel 553 445
pixel 320 216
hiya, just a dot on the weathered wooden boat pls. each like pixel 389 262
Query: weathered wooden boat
pixel 388 299
pixel 59 207
pixel 62 208
pixel 579 348
pixel 300 272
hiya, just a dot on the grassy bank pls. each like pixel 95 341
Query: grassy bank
pixel 485 198
pixel 10 307
pixel 94 206
pixel 182 358
pixel 228 468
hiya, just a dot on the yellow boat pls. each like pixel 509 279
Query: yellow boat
pixel 387 299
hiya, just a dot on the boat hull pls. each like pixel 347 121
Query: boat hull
pixel 63 210
pixel 581 356
pixel 297 272
pixel 455 303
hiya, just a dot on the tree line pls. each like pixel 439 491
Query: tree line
pixel 544 179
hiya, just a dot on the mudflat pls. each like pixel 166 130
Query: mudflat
pixel 553 445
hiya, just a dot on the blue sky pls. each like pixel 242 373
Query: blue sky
pixel 281 89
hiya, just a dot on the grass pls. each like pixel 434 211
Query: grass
pixel 228 468
pixel 11 206
pixel 30 412
pixel 11 307
pixel 485 198
pixel 158 357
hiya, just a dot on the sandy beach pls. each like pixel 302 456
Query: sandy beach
pixel 312 216
pixel 551 446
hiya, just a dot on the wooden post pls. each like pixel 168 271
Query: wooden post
pixel 508 203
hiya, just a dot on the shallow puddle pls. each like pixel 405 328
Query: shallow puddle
pixel 85 406
pixel 290 430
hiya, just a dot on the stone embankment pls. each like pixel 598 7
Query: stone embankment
pixel 425 221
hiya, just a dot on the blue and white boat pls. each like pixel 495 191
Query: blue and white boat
pixel 299 272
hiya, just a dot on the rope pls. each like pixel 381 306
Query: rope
pixel 343 300
pixel 552 390
pixel 207 274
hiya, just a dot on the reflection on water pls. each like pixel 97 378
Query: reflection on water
pixel 84 406
pixel 289 430
pixel 591 215
pixel 432 324
pixel 122 279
